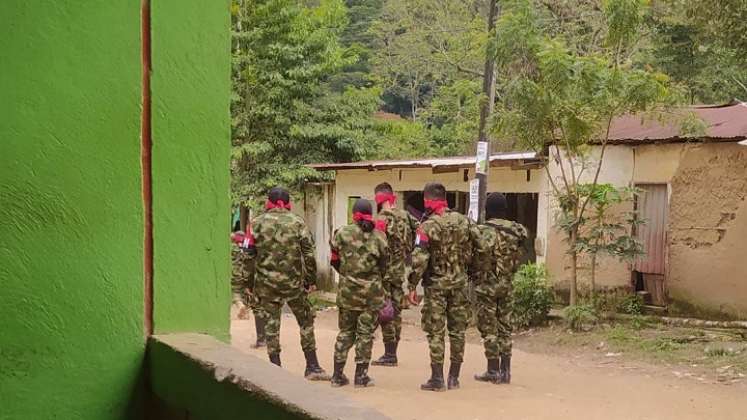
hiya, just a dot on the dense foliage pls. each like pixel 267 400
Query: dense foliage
pixel 532 296
pixel 310 76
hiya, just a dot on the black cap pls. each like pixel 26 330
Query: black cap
pixel 276 194
pixel 496 206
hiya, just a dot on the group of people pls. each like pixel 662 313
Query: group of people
pixel 375 256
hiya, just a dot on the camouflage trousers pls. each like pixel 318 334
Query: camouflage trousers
pixel 494 324
pixel 442 310
pixel 393 329
pixel 356 328
pixel 302 310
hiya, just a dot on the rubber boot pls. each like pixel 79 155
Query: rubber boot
pixel 314 372
pixel 390 355
pixel 453 380
pixel 491 374
pixel 504 372
pixel 436 382
pixel 259 325
pixel 275 359
pixel 338 376
pixel 362 380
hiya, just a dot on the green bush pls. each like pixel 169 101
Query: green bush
pixel 580 317
pixel 631 305
pixel 533 296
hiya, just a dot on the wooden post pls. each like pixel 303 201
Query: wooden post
pixel 486 109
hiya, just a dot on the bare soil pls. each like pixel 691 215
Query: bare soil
pixel 553 378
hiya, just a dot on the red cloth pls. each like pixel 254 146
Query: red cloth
pixel 358 216
pixel 436 206
pixel 380 225
pixel 382 197
pixel 280 204
pixel 243 239
pixel 334 256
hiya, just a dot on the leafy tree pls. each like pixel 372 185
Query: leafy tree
pixel 606 231
pixel 284 112
pixel 567 99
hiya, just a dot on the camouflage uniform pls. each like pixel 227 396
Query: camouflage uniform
pixel 441 257
pixel 497 248
pixel 283 268
pixel 362 266
pixel 242 269
pixel 400 229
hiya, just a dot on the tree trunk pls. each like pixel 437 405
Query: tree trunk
pixel 574 267
pixel 594 275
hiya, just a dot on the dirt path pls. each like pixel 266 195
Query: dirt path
pixel 544 386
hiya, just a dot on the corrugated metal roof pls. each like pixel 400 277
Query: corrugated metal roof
pixel 724 123
pixel 436 163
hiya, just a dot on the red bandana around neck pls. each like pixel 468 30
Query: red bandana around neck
pixel 358 216
pixel 436 206
pixel 280 204
pixel 382 197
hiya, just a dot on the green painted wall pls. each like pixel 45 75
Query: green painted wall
pixel 71 215
pixel 191 140
pixel 71 298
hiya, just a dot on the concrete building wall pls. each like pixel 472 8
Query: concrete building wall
pixel 72 343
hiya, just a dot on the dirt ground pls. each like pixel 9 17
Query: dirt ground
pixel 545 385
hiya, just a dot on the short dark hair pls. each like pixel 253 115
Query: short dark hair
pixel 277 194
pixel 496 206
pixel 434 190
pixel 383 187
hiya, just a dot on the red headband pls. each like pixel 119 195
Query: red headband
pixel 280 204
pixel 385 196
pixel 436 206
pixel 358 216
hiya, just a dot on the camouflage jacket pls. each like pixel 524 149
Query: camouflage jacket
pixel 284 263
pixel 497 249
pixel 400 236
pixel 242 270
pixel 443 251
pixel 362 267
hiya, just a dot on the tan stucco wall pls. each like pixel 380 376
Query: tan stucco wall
pixel 707 229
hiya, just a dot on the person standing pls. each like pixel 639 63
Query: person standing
pixel 497 252
pixel 242 263
pixel 359 254
pixel 285 272
pixel 400 233
pixel 442 255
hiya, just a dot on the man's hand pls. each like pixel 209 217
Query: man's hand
pixel 412 297
pixel 247 291
pixel 311 288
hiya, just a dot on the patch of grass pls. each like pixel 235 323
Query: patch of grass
pixel 580 317
pixel 620 334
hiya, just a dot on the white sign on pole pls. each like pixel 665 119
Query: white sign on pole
pixel 474 200
pixel 481 167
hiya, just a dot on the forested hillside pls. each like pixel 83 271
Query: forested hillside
pixel 334 80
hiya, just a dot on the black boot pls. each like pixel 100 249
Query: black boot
pixel 453 381
pixel 275 359
pixel 338 376
pixel 259 324
pixel 314 372
pixel 436 382
pixel 504 372
pixel 362 380
pixel 491 374
pixel 390 355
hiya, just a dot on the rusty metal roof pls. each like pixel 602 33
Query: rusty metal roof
pixel 502 159
pixel 723 123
